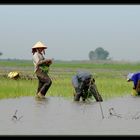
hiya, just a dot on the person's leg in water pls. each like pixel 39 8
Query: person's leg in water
pixel 75 84
pixel 85 94
pixel 77 97
pixel 44 84
pixel 40 84
pixel 81 94
pixel 47 82
pixel 93 89
pixel 77 94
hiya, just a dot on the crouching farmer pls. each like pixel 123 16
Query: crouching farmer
pixel 135 78
pixel 84 85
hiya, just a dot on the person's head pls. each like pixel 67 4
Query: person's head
pixel 39 47
pixel 129 77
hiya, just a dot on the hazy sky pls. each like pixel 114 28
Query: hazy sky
pixel 70 31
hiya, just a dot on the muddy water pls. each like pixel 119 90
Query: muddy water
pixel 59 116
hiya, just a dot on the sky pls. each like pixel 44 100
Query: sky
pixel 70 31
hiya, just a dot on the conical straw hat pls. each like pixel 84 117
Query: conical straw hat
pixel 39 45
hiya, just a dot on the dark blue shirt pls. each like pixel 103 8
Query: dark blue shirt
pixel 135 78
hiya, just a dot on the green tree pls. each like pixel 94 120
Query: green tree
pixel 98 54
pixel 91 55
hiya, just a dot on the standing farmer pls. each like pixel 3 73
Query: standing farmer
pixel 135 77
pixel 84 85
pixel 41 69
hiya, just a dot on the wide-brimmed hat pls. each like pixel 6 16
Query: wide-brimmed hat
pixel 13 74
pixel 39 45
pixel 129 76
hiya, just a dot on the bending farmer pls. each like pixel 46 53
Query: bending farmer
pixel 41 69
pixel 84 85
pixel 135 77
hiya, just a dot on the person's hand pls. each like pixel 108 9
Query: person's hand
pixel 48 61
pixel 134 92
pixel 134 87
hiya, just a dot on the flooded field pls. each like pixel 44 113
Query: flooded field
pixel 59 116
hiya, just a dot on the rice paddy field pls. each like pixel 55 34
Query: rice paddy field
pixel 110 77
pixel 58 114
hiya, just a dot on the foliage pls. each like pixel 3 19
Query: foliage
pixel 1 53
pixel 98 54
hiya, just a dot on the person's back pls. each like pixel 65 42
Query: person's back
pixel 83 75
pixel 81 82
pixel 135 77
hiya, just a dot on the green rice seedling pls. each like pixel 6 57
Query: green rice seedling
pixel 15 88
pixel 110 78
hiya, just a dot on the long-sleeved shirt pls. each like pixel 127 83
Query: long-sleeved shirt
pixel 79 78
pixel 135 78
pixel 38 59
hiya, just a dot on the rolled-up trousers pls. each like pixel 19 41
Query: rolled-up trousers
pixel 44 82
